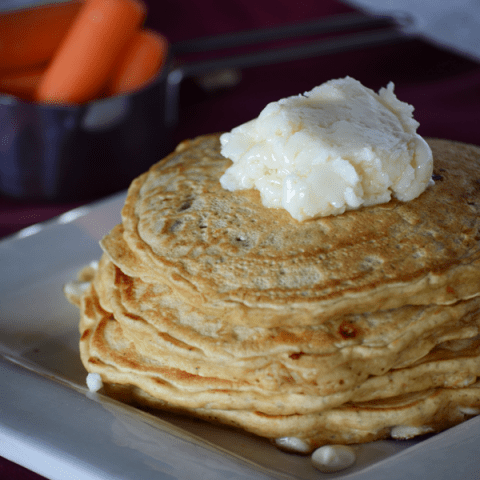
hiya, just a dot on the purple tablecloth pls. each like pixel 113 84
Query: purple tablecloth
pixel 443 87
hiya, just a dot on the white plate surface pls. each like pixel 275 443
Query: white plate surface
pixel 52 424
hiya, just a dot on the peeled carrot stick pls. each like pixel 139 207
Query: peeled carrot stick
pixel 30 36
pixel 141 60
pixel 84 61
pixel 22 84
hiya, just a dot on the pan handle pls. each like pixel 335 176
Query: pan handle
pixel 334 23
pixel 381 31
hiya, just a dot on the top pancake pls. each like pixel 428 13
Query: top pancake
pixel 224 248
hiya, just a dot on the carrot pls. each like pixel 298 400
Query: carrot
pixel 141 60
pixel 22 83
pixel 84 61
pixel 30 36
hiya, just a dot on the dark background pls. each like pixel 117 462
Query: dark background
pixel 443 87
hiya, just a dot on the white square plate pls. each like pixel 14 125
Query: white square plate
pixel 52 424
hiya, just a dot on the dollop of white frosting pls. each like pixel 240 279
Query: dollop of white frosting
pixel 76 289
pixel 405 432
pixel 94 382
pixel 338 147
pixel 333 458
pixel 292 444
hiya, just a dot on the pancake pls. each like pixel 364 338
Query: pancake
pixel 441 400
pixel 426 412
pixel 340 329
pixel 350 347
pixel 221 247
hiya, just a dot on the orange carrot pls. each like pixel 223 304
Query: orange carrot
pixel 21 83
pixel 84 61
pixel 141 60
pixel 30 36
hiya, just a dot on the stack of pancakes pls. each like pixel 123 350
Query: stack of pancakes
pixel 341 329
